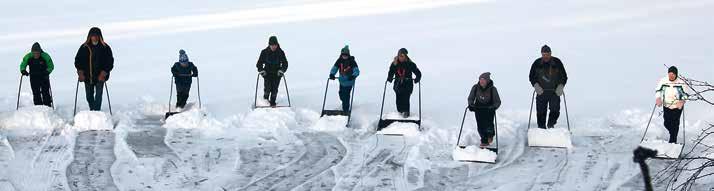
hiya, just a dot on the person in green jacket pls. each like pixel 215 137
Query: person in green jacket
pixel 40 64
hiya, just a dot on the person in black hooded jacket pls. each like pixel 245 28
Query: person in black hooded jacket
pixel 400 73
pixel 94 62
pixel 548 78
pixel 272 65
pixel 484 101
pixel 183 71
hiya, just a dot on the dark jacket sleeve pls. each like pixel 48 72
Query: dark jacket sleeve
pixel 472 96
pixel 496 98
pixel 261 61
pixel 564 77
pixel 416 71
pixel 109 60
pixel 533 76
pixel 174 70
pixel 80 58
pixel 283 61
pixel 392 70
pixel 194 70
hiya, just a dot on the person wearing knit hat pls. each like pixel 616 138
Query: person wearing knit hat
pixel 484 101
pixel 548 78
pixel 348 69
pixel 402 72
pixel 272 65
pixel 41 66
pixel 671 94
pixel 183 72
pixel 94 62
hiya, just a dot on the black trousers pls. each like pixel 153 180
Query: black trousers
pixel 345 97
pixel 271 84
pixel 41 93
pixel 94 94
pixel 403 90
pixel 671 122
pixel 484 122
pixel 182 93
pixel 544 101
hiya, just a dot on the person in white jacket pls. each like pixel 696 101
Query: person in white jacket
pixel 671 95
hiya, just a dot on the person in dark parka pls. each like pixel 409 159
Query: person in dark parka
pixel 94 62
pixel 548 78
pixel 484 101
pixel 348 69
pixel 41 66
pixel 272 65
pixel 400 73
pixel 183 72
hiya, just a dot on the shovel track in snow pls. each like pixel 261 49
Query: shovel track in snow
pixel 322 152
pixel 93 158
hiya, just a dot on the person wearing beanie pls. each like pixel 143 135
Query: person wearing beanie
pixel 41 66
pixel 548 78
pixel 484 101
pixel 94 62
pixel 348 69
pixel 183 72
pixel 671 95
pixel 272 65
pixel 401 72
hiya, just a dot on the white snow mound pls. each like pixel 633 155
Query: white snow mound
pixel 30 121
pixel 474 153
pixel 398 128
pixel 330 123
pixel 555 137
pixel 92 120
pixel 663 148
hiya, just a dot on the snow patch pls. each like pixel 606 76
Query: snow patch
pixel 34 120
pixel 555 137
pixel 92 120
pixel 474 153
pixel 397 115
pixel 663 148
pixel 330 123
pixel 398 128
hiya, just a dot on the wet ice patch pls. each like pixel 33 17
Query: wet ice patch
pixel 28 121
pixel 398 128
pixel 663 148
pixel 555 137
pixel 92 120
pixel 474 153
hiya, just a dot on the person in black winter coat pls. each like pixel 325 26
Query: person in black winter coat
pixel 41 66
pixel 183 72
pixel 484 101
pixel 94 62
pixel 400 73
pixel 272 65
pixel 548 78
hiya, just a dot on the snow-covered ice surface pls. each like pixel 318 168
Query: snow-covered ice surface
pixel 614 52
pixel 401 128
pixel 554 137
pixel 474 153
pixel 663 148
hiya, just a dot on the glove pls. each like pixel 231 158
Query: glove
pixel 390 80
pixel 80 75
pixel 472 108
pixel 332 77
pixel 102 76
pixel 352 78
pixel 658 102
pixel 262 73
pixel 538 89
pixel 194 75
pixel 416 81
pixel 679 104
pixel 559 90
pixel 281 73
pixel 24 73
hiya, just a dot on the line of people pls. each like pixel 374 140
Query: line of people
pixel 94 62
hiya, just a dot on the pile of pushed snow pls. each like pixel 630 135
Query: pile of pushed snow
pixel 190 119
pixel 30 121
pixel 397 115
pixel 474 153
pixel 663 148
pixel 92 120
pixel 554 137
pixel 399 128
pixel 330 123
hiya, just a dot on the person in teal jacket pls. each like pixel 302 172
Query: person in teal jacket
pixel 41 66
pixel 348 69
